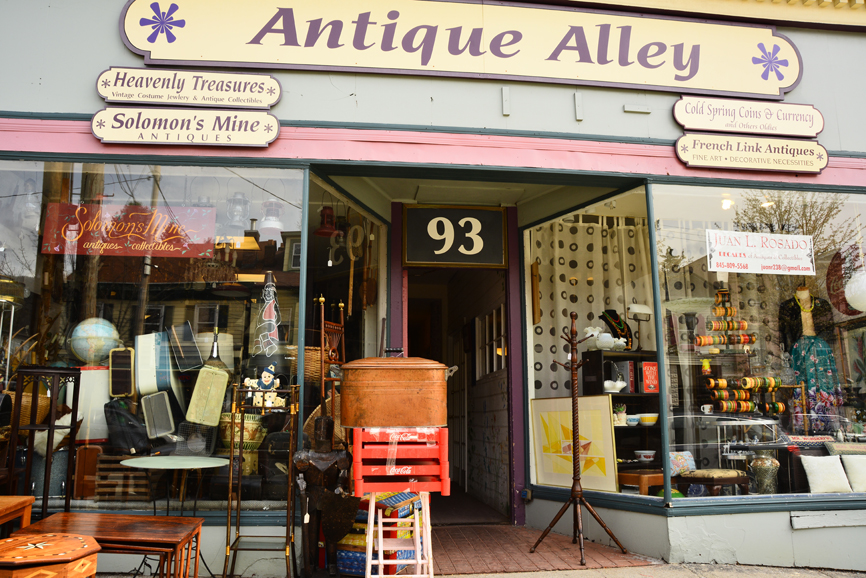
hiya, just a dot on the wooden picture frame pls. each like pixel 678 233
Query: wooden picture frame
pixel 552 439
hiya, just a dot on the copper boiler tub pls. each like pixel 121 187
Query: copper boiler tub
pixel 394 392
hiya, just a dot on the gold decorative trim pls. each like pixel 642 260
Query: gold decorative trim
pixel 849 13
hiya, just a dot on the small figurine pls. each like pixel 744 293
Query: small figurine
pixel 267 380
pixel 619 344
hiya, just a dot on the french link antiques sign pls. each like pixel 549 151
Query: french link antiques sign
pixel 188 88
pixel 129 230
pixel 441 236
pixel 144 125
pixel 748 116
pixel 551 44
pixel 721 151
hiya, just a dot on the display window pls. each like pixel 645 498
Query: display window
pixel 161 284
pixel 593 263
pixel 762 300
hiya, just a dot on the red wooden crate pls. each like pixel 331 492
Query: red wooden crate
pixel 401 459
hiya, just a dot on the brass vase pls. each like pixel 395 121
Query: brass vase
pixel 765 468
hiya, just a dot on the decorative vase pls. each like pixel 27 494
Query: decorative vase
pixel 604 341
pixel 619 418
pixel 765 467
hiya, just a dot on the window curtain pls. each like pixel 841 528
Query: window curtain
pixel 586 266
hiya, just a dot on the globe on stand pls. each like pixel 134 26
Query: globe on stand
pixel 93 339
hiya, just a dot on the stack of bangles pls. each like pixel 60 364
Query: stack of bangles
pixel 724 311
pixel 713 383
pixel 773 407
pixel 723 297
pixel 736 406
pixel 739 339
pixel 729 394
pixel 727 325
pixel 761 383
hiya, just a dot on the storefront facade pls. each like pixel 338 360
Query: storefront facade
pixel 707 171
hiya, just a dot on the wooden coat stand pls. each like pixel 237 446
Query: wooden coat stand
pixel 576 498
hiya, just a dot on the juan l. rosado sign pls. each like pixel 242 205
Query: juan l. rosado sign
pixel 468 39
pixel 129 230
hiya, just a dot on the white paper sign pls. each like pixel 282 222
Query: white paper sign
pixel 729 251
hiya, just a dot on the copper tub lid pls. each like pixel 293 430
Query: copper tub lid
pixel 398 363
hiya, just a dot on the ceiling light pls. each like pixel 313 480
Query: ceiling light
pixel 726 204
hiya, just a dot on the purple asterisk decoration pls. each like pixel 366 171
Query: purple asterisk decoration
pixel 684 148
pixel 268 128
pixel 105 84
pixel 163 23
pixel 100 124
pixel 820 156
pixel 770 62
pixel 271 91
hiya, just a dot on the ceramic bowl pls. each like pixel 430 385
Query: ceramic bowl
pixel 648 419
pixel 644 455
pixel 253 429
pixel 632 420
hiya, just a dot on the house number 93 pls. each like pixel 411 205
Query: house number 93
pixel 441 229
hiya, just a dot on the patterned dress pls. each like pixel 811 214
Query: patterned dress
pixel 815 365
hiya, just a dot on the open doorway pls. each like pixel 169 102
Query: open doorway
pixel 452 315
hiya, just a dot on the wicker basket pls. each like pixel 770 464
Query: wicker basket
pixel 312 362
pixel 43 406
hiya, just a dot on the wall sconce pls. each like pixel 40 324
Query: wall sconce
pixel 640 313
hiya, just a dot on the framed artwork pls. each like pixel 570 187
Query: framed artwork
pixel 552 440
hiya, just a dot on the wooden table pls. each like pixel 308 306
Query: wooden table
pixel 643 479
pixel 169 537
pixel 12 507
pixel 59 555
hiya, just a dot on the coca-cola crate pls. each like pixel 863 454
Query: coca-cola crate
pixel 401 459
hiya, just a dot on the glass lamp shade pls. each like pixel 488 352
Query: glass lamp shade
pixel 855 291
pixel 272 211
pixel 326 225
pixel 238 209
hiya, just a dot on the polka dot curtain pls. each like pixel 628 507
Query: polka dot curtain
pixel 586 266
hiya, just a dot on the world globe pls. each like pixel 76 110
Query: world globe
pixel 92 339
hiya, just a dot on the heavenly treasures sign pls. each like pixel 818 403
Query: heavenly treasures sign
pixel 129 230
pixel 468 39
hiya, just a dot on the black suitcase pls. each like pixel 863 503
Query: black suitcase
pixel 126 431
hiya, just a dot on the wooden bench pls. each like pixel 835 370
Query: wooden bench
pixel 169 537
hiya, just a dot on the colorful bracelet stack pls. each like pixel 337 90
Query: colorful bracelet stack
pixel 724 311
pixel 739 339
pixel 736 406
pixel 713 383
pixel 727 325
pixel 729 394
pixel 723 297
pixel 766 384
pixel 773 407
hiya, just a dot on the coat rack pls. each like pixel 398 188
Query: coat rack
pixel 576 498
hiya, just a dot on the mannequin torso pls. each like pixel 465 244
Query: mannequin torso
pixel 807 304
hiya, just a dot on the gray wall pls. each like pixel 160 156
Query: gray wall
pixel 54 51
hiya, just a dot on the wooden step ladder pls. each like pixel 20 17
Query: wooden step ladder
pixel 420 542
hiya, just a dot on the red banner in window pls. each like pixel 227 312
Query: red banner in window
pixel 129 230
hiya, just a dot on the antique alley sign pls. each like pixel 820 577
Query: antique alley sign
pixel 740 252
pixel 748 116
pixel 468 39
pixel 441 236
pixel 188 88
pixel 185 126
pixel 721 151
pixel 129 230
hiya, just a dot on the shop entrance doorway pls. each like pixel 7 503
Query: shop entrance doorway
pixel 449 320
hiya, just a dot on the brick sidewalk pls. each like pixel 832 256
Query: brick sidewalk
pixel 495 549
